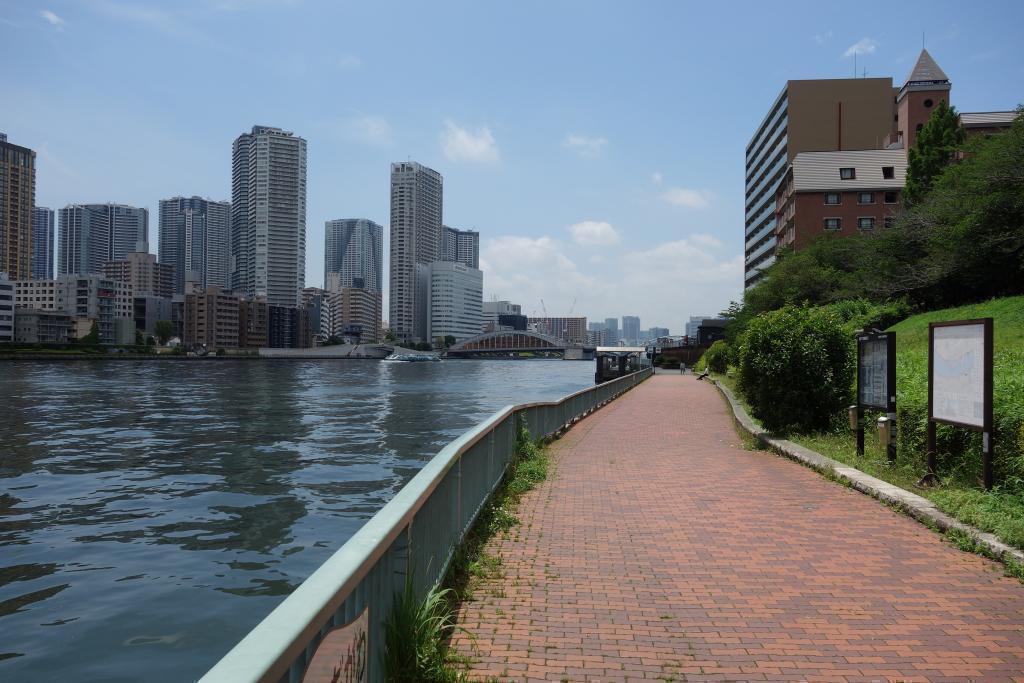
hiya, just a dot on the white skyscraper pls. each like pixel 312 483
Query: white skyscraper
pixel 416 205
pixel 456 298
pixel 353 249
pixel 268 216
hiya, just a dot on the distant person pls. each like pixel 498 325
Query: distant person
pixel 682 368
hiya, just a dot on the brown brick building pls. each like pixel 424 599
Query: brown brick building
pixel 211 319
pixel 840 193
pixel 17 198
pixel 141 270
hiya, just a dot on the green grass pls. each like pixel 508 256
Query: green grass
pixel 960 495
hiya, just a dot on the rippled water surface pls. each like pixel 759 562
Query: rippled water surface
pixel 151 513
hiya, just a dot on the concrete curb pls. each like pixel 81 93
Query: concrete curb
pixel 921 509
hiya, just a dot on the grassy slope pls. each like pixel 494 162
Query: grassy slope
pixel 1000 511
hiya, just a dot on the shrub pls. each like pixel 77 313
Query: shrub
pixel 796 368
pixel 716 358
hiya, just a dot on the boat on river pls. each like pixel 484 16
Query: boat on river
pixel 413 358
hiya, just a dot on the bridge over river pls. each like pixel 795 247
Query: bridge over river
pixel 519 344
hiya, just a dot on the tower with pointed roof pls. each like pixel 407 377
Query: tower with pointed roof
pixel 926 86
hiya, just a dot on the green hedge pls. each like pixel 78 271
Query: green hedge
pixel 795 366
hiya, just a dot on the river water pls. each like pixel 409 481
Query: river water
pixel 151 513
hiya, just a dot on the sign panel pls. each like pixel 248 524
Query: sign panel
pixel 873 379
pixel 958 374
pixel 343 654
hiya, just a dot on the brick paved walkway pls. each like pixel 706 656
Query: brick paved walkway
pixel 663 550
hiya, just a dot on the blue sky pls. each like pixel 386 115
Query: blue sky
pixel 597 147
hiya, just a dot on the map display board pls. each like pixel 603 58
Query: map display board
pixel 958 391
pixel 873 372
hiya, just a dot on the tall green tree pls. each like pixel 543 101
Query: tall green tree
pixel 163 329
pixel 937 142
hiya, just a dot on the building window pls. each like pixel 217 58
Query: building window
pixel 833 223
pixel 928 104
pixel 833 198
pixel 847 173
pixel 892 197
pixel 866 223
pixel 865 197
pixel 888 172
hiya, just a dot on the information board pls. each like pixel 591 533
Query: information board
pixel 958 375
pixel 873 379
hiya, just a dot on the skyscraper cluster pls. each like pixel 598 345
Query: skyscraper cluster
pixel 227 271
pixel 427 300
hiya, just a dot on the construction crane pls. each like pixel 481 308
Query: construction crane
pixel 544 308
pixel 573 307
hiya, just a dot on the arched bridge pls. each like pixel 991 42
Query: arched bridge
pixel 517 344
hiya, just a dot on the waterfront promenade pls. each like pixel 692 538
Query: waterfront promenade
pixel 662 548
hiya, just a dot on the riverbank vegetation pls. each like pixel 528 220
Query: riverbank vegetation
pixel 955 252
pixel 418 630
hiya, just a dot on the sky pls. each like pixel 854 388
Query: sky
pixel 596 146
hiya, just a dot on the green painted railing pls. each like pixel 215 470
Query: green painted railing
pixel 416 532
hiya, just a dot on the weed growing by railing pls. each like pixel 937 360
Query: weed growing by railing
pixel 418 631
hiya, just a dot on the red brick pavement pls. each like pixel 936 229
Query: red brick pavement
pixel 662 549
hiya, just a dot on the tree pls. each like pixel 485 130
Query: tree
pixel 139 340
pixel 93 338
pixel 937 142
pixel 449 341
pixel 390 336
pixel 164 329
pixel 150 341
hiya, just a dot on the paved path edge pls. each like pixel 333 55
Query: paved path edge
pixel 915 506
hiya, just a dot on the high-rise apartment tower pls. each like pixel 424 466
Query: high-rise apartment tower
pixel 416 206
pixel 44 235
pixel 17 197
pixel 353 248
pixel 460 246
pixel 92 234
pixel 811 115
pixel 268 216
pixel 195 238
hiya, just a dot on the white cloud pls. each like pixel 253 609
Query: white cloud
pixel 350 63
pixel 692 199
pixel 53 19
pixel 588 147
pixel 705 240
pixel 657 178
pixel 462 144
pixel 864 46
pixel 593 234
pixel 663 284
pixel 367 129
pixel 822 38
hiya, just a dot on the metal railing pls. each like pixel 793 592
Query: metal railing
pixel 414 535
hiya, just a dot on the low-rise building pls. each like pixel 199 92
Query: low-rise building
pixel 572 330
pixel 353 314
pixel 141 270
pixel 147 310
pixel 33 326
pixel 839 193
pixel 252 324
pixel 211 319
pixel 86 298
pixel 7 295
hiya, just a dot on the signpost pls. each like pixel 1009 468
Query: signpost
pixel 960 384
pixel 876 382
